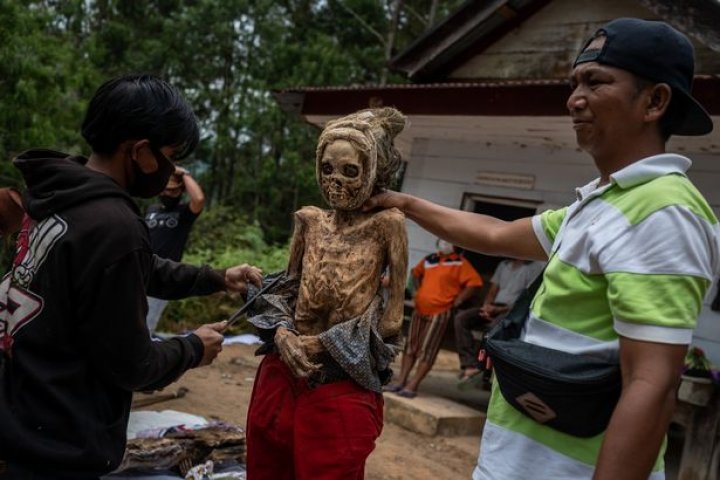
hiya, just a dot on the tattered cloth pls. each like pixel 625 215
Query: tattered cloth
pixel 355 344
pixel 182 447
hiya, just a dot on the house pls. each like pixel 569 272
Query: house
pixel 489 131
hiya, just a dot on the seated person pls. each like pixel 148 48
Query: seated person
pixel 511 277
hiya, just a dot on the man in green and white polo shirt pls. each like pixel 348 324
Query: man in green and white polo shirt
pixel 628 263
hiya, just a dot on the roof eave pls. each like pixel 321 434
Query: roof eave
pixel 507 98
pixel 467 32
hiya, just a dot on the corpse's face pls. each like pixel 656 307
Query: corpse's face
pixel 342 176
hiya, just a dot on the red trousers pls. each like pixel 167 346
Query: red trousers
pixel 297 432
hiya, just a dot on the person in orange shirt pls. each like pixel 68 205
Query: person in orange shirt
pixel 443 281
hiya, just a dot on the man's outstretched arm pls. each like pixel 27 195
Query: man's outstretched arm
pixel 480 233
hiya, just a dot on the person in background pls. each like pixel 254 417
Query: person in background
pixel 443 280
pixel 11 217
pixel 11 211
pixel 510 278
pixel 628 262
pixel 170 222
pixel 73 341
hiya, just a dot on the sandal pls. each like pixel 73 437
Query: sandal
pixel 406 393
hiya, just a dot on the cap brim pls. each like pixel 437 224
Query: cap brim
pixel 693 120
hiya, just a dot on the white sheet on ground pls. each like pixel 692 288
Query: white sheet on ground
pixel 141 420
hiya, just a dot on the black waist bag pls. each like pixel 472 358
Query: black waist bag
pixel 574 394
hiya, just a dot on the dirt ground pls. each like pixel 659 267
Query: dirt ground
pixel 222 391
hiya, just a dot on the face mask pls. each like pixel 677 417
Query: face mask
pixel 170 203
pixel 148 185
pixel 445 248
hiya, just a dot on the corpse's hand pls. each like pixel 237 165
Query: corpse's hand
pixel 238 277
pixel 212 339
pixel 292 350
pixel 312 345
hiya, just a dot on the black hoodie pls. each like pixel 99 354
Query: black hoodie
pixel 73 340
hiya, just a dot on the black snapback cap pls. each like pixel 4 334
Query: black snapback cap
pixel 657 52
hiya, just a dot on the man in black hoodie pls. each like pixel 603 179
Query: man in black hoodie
pixel 73 340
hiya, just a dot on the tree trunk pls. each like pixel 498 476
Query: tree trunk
pixel 433 13
pixel 390 42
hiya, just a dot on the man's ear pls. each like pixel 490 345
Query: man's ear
pixel 659 97
pixel 140 152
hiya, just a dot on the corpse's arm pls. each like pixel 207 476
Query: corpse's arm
pixel 297 246
pixel 397 255
pixel 296 350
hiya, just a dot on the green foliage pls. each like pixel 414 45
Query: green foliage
pixel 227 56
pixel 41 80
pixel 696 361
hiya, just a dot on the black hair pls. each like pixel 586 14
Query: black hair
pixel 140 106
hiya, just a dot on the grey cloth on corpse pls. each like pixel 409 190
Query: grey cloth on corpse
pixel 275 308
pixel 355 344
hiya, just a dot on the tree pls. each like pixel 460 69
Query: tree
pixel 42 82
pixel 226 55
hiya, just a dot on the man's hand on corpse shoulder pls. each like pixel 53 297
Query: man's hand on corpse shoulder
pixel 385 199
pixel 238 277
pixel 212 340
pixel 292 350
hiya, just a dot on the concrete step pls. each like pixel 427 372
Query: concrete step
pixel 431 415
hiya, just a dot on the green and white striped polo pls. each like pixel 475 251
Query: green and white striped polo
pixel 631 258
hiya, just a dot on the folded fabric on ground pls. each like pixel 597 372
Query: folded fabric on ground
pixel 174 442
pixel 232 472
pixel 155 475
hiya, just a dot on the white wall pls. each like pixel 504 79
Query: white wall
pixel 442 170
